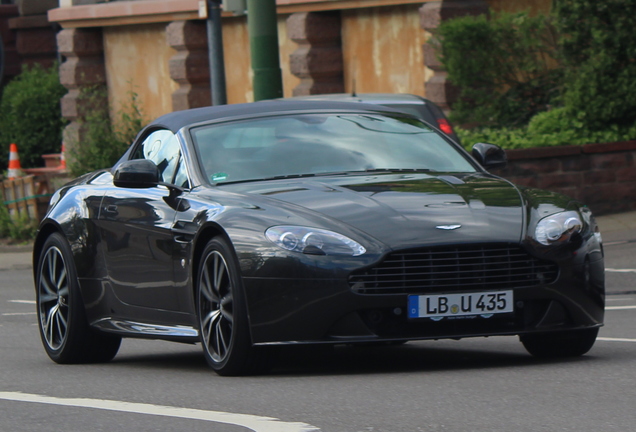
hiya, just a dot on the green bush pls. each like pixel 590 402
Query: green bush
pixel 20 228
pixel 504 66
pixel 548 129
pixel 104 140
pixel 30 115
pixel 599 51
pixel 567 79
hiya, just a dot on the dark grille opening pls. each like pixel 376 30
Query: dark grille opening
pixel 469 267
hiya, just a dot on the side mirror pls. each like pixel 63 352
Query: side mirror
pixel 137 173
pixel 489 155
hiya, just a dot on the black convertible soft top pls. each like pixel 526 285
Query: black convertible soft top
pixel 178 119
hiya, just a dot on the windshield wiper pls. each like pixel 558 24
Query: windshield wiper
pixel 278 177
pixel 334 173
pixel 398 170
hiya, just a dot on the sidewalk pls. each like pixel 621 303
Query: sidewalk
pixel 15 257
pixel 616 227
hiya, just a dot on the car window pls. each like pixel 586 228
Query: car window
pixel 321 143
pixel 181 176
pixel 161 147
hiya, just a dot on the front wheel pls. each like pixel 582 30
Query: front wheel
pixel 560 344
pixel 222 311
pixel 65 333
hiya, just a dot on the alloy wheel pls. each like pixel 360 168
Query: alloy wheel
pixel 53 298
pixel 216 306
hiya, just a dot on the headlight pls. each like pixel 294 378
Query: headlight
pixel 313 241
pixel 558 227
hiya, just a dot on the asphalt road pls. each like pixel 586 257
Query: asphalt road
pixel 469 385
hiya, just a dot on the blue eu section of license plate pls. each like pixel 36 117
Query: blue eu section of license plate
pixel 437 306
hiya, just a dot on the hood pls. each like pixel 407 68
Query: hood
pixel 406 210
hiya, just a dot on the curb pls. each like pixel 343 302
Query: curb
pixel 16 248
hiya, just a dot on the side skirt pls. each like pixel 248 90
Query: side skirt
pixel 148 330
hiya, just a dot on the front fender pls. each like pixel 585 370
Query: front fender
pixel 73 215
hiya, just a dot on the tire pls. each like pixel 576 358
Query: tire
pixel 64 330
pixel 560 344
pixel 222 312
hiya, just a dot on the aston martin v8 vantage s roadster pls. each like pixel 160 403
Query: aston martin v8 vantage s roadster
pixel 244 227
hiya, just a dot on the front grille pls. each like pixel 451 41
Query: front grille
pixel 469 267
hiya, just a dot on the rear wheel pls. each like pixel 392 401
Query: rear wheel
pixel 65 333
pixel 223 322
pixel 560 344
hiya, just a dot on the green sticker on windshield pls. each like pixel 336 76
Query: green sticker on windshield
pixel 220 176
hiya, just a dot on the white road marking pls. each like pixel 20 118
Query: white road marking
pixel 613 270
pixel 19 313
pixel 255 423
pixel 22 301
pixel 619 307
pixel 619 299
pixel 615 339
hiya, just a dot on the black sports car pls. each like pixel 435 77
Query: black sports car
pixel 244 227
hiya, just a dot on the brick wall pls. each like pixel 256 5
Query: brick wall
pixel 603 176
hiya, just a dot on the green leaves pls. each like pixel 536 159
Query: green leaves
pixel 30 115
pixel 503 65
pixel 104 138
pixel 599 52
pixel 566 79
pixel 19 227
pixel 548 129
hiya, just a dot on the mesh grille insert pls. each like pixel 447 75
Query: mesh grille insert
pixel 454 268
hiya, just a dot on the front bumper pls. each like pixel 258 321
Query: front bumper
pixel 326 310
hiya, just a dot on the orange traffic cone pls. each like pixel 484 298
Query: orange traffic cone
pixel 15 170
pixel 63 157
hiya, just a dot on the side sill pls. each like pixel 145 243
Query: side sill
pixel 147 330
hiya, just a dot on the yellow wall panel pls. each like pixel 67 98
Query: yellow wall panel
pixel 238 65
pixel 137 60
pixel 382 50
pixel 286 46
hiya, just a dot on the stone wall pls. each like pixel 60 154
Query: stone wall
pixel 27 35
pixel 11 57
pixel 603 176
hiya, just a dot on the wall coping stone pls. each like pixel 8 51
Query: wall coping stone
pixel 609 147
pixel 542 152
pixel 126 12
pixel 550 152
pixel 155 11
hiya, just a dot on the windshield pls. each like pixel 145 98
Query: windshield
pixel 315 144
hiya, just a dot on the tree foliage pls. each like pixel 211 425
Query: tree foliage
pixel 104 139
pixel 548 129
pixel 503 64
pixel 30 115
pixel 562 79
pixel 598 45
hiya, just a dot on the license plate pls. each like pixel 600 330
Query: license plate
pixel 439 306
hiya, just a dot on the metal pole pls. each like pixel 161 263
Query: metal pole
pixel 215 53
pixel 263 31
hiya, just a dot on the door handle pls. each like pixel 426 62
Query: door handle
pixel 111 209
